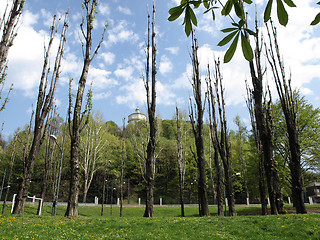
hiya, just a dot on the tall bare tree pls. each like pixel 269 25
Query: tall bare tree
pixel 44 104
pixel 181 161
pixel 8 26
pixel 289 108
pixel 151 104
pixel 222 143
pixel 75 123
pixel 262 191
pixel 257 73
pixel 197 126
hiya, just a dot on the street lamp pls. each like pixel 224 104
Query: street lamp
pixel 55 202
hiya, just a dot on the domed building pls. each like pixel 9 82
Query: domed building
pixel 137 116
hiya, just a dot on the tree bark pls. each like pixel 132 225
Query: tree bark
pixel 72 207
pixel 149 172
pixel 44 104
pixel 198 131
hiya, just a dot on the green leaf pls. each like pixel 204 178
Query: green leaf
pixel 247 1
pixel 175 9
pixel 316 20
pixel 229 30
pixel 290 3
pixel 318 3
pixel 196 4
pixel 206 4
pixel 227 39
pixel 230 52
pixel 187 22
pixel 175 14
pixel 250 32
pixel 246 48
pixel 267 11
pixel 192 16
pixel 282 13
pixel 227 8
pixel 213 16
pixel 239 10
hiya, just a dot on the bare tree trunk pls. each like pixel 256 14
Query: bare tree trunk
pixel 44 104
pixel 289 108
pixel 257 138
pixel 214 137
pixel 90 9
pixel 48 156
pixel 103 193
pixel 8 27
pixel 9 174
pixel 181 162
pixel 122 167
pixel 221 144
pixel 149 172
pixel 275 196
pixel 198 131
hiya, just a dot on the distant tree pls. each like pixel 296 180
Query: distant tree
pixel 44 104
pixel 76 123
pixel 92 146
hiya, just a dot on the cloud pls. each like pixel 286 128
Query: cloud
pixel 108 57
pixel 104 9
pixel 173 50
pixel 133 94
pixel 125 73
pixel 165 65
pixel 100 79
pixel 121 33
pixel 124 10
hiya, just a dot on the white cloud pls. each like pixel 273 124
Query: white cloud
pixel 108 57
pixel 173 50
pixel 100 78
pixel 133 95
pixel 121 33
pixel 104 9
pixel 124 10
pixel 101 95
pixel 165 65
pixel 125 73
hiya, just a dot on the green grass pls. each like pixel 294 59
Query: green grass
pixel 166 225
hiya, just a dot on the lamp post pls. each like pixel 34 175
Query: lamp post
pixel 55 202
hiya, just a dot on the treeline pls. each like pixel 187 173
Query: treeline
pixel 101 149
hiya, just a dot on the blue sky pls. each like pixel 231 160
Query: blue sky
pixel 116 71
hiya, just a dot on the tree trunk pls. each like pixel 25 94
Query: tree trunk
pixel 198 131
pixel 150 160
pixel 90 6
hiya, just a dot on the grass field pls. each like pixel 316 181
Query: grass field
pixel 166 225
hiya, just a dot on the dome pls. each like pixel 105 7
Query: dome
pixel 137 116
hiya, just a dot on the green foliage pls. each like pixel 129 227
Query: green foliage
pixel 190 19
pixel 317 18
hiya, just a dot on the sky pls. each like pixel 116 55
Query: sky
pixel 116 72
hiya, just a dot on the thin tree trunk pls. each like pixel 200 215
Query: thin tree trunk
pixel 198 132
pixel 9 174
pixel 149 172
pixel 90 7
pixel 44 104
pixel 289 108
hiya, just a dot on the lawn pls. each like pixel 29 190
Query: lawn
pixel 166 225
